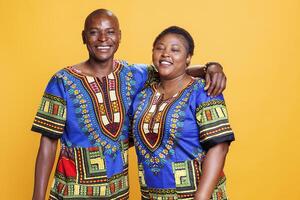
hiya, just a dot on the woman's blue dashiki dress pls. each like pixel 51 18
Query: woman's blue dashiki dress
pixel 172 137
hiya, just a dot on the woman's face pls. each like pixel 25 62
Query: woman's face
pixel 170 56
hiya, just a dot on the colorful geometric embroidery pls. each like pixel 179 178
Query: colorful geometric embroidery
pixel 199 154
pixel 151 124
pixel 130 91
pixel 51 116
pixel 84 118
pixel 163 194
pixel 187 176
pixel 81 174
pixel 163 151
pixel 143 186
pixel 107 101
pixel 124 152
pixel 116 189
pixel 90 165
pixel 142 176
pixel 213 120
pixel 219 192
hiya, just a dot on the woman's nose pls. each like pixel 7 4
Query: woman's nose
pixel 165 53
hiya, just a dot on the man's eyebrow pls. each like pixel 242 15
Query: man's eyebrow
pixel 92 28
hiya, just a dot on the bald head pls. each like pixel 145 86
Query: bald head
pixel 100 13
pixel 101 35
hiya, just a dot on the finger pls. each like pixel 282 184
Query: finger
pixel 218 85
pixel 212 84
pixel 223 86
pixel 207 80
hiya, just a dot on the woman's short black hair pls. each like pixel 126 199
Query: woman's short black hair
pixel 180 31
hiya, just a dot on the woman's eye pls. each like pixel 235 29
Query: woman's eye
pixel 159 48
pixel 111 32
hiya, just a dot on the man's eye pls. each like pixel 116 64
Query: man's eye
pixel 93 32
pixel 111 32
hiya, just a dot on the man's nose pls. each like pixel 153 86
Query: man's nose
pixel 102 37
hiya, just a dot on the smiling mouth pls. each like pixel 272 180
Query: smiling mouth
pixel 103 47
pixel 165 63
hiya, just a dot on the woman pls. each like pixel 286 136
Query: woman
pixel 181 134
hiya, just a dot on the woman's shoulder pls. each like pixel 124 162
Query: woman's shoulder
pixel 198 94
pixel 201 97
pixel 135 67
pixel 198 85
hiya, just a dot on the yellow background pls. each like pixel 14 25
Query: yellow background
pixel 258 43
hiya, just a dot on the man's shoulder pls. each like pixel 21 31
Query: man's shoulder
pixel 136 65
pixel 63 72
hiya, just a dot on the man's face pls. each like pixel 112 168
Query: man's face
pixel 102 37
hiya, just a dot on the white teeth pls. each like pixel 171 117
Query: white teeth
pixel 165 63
pixel 103 47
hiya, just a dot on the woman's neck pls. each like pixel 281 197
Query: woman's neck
pixel 170 87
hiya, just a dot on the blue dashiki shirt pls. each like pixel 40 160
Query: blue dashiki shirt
pixel 90 118
pixel 172 136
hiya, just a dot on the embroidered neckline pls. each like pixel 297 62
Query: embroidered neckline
pixel 174 119
pixel 116 65
pixel 107 100
pixel 151 125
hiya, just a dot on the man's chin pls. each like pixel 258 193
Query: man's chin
pixel 102 59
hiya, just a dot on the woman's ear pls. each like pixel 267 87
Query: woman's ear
pixel 188 59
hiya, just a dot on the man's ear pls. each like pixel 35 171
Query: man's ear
pixel 83 37
pixel 120 36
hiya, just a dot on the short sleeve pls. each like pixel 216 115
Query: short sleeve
pixel 212 119
pixel 51 115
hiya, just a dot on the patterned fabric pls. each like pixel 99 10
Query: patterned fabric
pixel 172 137
pixel 51 118
pixel 90 116
pixel 82 174
pixel 213 122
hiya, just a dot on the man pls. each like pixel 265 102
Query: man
pixel 87 106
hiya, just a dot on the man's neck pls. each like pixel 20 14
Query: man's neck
pixel 98 68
